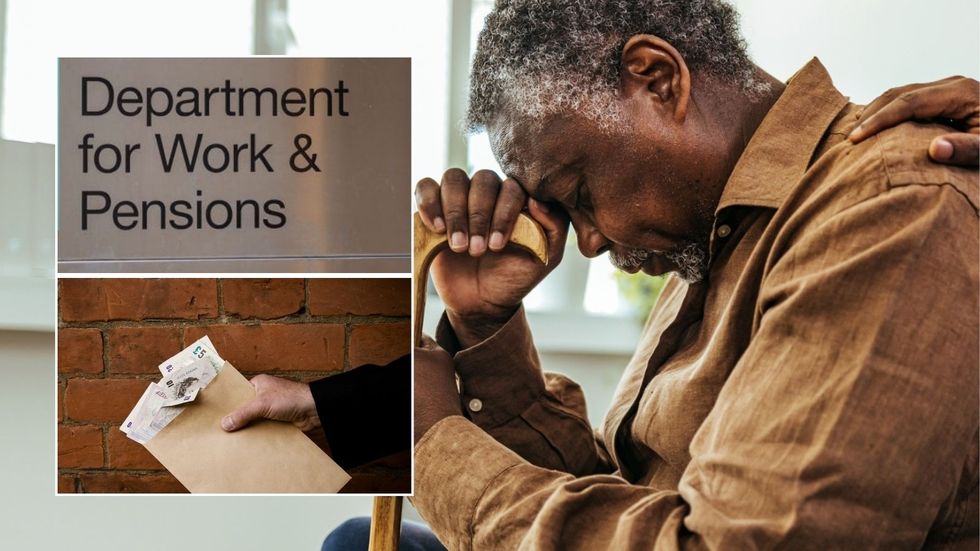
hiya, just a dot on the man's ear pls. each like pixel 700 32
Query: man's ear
pixel 655 69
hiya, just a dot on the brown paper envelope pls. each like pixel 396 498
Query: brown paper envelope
pixel 265 457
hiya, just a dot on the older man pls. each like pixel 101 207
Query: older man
pixel 809 380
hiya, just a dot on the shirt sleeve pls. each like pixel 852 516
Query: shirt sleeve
pixel 540 416
pixel 845 425
pixel 366 412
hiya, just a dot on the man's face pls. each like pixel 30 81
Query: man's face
pixel 635 192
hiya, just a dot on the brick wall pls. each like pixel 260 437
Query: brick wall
pixel 112 334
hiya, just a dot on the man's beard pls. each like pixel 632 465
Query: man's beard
pixel 691 261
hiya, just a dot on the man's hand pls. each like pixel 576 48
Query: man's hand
pixel 277 399
pixel 481 291
pixel 956 99
pixel 436 393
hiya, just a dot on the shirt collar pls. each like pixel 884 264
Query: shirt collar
pixel 780 150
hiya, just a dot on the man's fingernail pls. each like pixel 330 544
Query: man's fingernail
pixel 458 241
pixel 227 423
pixel 496 240
pixel 439 224
pixel 856 132
pixel 477 244
pixel 941 150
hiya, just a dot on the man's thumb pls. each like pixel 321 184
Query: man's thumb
pixel 242 416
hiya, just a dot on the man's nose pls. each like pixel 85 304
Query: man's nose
pixel 590 241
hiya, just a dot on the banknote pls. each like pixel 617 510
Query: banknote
pixel 186 374
pixel 142 415
pixel 194 375
pixel 161 418
pixel 188 397
pixel 182 387
pixel 132 420
pixel 199 349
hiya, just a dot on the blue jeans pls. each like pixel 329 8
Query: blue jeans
pixel 353 535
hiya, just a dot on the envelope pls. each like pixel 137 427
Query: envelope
pixel 265 457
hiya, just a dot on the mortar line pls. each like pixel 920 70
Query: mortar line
pixel 306 298
pixel 104 334
pixel 221 298
pixel 292 319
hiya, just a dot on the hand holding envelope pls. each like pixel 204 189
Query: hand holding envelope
pixel 179 421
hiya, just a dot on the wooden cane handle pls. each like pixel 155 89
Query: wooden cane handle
pixel 527 234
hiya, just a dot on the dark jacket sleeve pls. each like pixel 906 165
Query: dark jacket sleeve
pixel 366 412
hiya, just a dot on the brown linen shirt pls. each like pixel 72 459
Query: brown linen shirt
pixel 818 391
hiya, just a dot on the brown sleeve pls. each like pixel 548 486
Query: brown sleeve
pixel 540 416
pixel 844 425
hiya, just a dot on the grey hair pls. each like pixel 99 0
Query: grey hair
pixel 541 57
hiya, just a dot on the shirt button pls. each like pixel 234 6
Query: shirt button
pixel 724 230
pixel 475 405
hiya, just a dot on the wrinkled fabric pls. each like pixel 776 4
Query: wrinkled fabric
pixel 819 390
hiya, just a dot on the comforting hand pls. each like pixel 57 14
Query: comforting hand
pixel 436 393
pixel 277 399
pixel 954 100
pixel 478 214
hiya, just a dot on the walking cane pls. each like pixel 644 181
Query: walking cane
pixel 528 235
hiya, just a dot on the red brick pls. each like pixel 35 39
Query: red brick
pixel 362 297
pixel 262 298
pixel 116 483
pixel 379 343
pixel 79 351
pixel 137 299
pixel 79 447
pixel 66 484
pixel 141 349
pixel 277 347
pixel 102 400
pixel 127 454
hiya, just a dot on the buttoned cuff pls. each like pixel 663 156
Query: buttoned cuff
pixel 500 377
pixel 455 464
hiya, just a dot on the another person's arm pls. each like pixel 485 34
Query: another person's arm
pixel 955 99
pixel 365 412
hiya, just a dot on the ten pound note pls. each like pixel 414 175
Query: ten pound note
pixel 186 374
pixel 177 420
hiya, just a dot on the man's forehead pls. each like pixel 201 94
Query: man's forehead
pixel 502 145
pixel 518 157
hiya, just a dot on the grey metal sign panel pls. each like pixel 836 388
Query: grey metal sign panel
pixel 237 165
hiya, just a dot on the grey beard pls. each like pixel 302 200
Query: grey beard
pixel 631 260
pixel 691 261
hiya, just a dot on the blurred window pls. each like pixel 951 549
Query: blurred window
pixel 103 28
